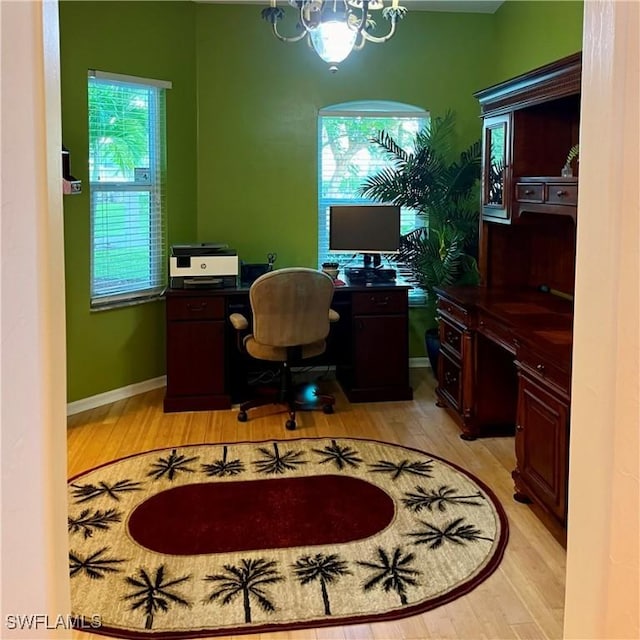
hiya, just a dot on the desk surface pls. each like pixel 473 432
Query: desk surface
pixel 243 288
pixel 542 321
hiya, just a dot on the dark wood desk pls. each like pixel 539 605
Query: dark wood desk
pixel 505 369
pixel 206 370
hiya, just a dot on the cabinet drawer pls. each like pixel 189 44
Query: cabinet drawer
pixel 450 380
pixel 558 193
pixel 497 332
pixel 451 337
pixel 530 192
pixel 450 309
pixel 380 302
pixel 541 369
pixel 195 308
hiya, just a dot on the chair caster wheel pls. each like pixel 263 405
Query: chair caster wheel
pixel 290 425
pixel 242 416
pixel 327 408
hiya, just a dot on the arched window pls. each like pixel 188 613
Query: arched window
pixel 346 156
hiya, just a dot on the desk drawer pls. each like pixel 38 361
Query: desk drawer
pixel 451 337
pixel 380 302
pixel 195 308
pixel 450 382
pixel 530 192
pixel 446 308
pixel 541 368
pixel 559 193
pixel 497 332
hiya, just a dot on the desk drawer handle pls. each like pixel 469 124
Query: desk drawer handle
pixel 540 368
pixel 528 192
pixel 380 302
pixel 452 338
pixel 560 193
pixel 450 379
pixel 519 427
pixel 201 306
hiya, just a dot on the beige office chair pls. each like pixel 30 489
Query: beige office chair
pixel 291 315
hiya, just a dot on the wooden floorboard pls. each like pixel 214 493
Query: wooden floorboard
pixel 523 599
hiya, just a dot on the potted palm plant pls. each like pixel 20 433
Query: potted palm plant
pixel 442 185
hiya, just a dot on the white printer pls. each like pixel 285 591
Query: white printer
pixel 206 265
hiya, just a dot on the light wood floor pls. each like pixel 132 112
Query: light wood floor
pixel 522 599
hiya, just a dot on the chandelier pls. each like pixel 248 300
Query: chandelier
pixel 334 28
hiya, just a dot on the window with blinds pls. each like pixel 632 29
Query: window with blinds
pixel 346 156
pixel 126 185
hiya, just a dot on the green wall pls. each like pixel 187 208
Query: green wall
pixel 111 349
pixel 531 33
pixel 242 118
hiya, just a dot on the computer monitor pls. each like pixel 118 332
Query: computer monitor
pixel 367 229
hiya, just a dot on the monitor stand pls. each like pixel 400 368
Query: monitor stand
pixel 372 271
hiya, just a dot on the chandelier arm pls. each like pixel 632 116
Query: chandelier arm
pixel 370 38
pixel 282 38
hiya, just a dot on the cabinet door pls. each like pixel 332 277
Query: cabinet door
pixel 195 357
pixel 542 445
pixel 380 351
pixel 496 183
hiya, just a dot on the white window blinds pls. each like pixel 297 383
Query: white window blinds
pixel 126 184
pixel 346 156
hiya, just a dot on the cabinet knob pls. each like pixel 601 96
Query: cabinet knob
pixel 560 193
pixel 528 192
pixel 540 368
pixel 519 427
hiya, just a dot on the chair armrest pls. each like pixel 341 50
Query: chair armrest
pixel 238 321
pixel 334 316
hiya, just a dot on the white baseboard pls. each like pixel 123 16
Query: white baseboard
pixel 114 395
pixel 147 385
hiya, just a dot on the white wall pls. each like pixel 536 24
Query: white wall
pixel 603 563
pixel 32 343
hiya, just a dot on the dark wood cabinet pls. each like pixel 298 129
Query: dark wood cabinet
pixel 195 353
pixel 379 340
pixel 542 445
pixel 506 345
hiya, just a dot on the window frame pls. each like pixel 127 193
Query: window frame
pixel 153 184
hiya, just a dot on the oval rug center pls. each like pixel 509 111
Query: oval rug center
pixel 223 517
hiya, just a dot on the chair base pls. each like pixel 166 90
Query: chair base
pixel 290 405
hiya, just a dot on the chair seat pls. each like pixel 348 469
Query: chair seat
pixel 279 354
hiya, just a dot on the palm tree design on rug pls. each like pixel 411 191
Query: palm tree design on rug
pixel 325 569
pixel 153 595
pixel 340 456
pixel 95 566
pixel 171 465
pixel 223 467
pixel 455 532
pixel 392 573
pixel 440 498
pixel 85 492
pixel 248 579
pixel 276 462
pixel 396 469
pixel 87 522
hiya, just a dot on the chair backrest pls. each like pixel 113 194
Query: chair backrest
pixel 291 306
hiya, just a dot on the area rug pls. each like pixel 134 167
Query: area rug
pixel 225 539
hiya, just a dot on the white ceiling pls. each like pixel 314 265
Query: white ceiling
pixel 468 6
